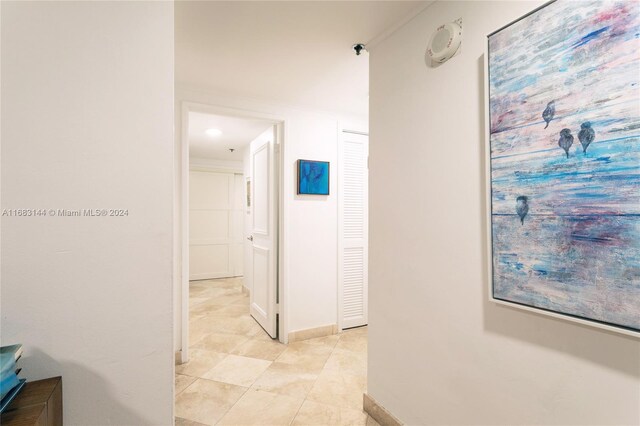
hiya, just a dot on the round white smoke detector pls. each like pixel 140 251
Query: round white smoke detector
pixel 444 42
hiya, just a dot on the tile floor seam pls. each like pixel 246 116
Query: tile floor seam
pixel 306 397
pixel 187 387
pixel 202 376
pixel 298 412
pixel 234 404
pixel 221 383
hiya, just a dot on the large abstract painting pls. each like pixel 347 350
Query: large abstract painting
pixel 313 177
pixel 564 131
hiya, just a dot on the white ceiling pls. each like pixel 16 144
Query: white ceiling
pixel 236 134
pixel 293 52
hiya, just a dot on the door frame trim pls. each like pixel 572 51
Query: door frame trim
pixel 181 223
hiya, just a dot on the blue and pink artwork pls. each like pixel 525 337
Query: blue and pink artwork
pixel 564 118
pixel 313 177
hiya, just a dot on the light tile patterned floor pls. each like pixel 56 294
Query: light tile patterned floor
pixel 239 376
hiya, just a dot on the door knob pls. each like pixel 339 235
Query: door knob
pixel 250 238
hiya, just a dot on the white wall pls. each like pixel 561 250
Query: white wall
pixel 87 96
pixel 311 251
pixel 439 351
pixel 311 222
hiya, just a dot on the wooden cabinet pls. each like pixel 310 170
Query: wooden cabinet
pixel 38 404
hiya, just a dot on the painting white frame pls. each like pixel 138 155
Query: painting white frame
pixel 488 208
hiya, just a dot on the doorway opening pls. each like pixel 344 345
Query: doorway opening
pixel 231 233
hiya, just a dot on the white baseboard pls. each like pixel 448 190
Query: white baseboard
pixel 378 412
pixel 312 333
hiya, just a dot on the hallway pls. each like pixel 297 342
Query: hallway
pixel 238 375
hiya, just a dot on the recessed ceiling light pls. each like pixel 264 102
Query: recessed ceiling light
pixel 214 133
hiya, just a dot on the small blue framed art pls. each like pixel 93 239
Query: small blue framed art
pixel 313 177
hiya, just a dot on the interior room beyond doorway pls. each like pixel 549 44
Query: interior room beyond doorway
pixel 221 208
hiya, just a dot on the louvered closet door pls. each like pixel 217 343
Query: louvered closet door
pixel 353 229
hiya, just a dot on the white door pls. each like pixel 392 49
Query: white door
pixel 215 225
pixel 353 229
pixel 264 232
